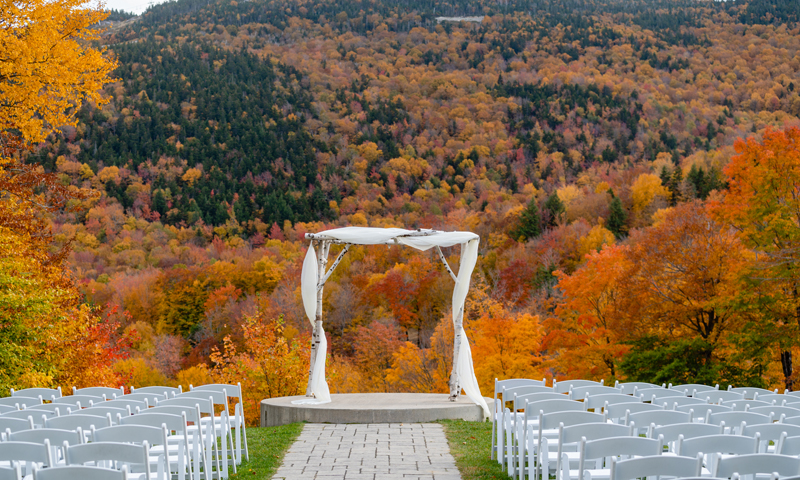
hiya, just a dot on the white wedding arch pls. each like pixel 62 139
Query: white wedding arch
pixel 315 275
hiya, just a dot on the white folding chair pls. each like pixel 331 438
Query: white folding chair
pixel 500 398
pixel 56 438
pixel 735 420
pixel 516 432
pixel 32 454
pixel 776 411
pixel 115 455
pixel 628 387
pixel 777 398
pixel 149 398
pixel 564 386
pixel 38 416
pixel 579 393
pixel 46 393
pixel 235 391
pixel 77 472
pixel 700 411
pixel 617 412
pixel 58 408
pixel 534 450
pixel 106 412
pixel 672 403
pixel 656 418
pixel 745 405
pixel 657 465
pixel 749 392
pixel 138 434
pixel 715 446
pixel 601 401
pixel 83 401
pixel 182 445
pixel 14 472
pixel 763 463
pixel 205 428
pixel 649 394
pixel 16 424
pixel 594 455
pixel 670 433
pixel 718 396
pixel 571 436
pixel 7 408
pixel 688 388
pixel 107 392
pixel 190 415
pixel 770 432
pixel 163 390
pixel 20 402
pixel 220 424
pixel 132 405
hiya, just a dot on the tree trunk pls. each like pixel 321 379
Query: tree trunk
pixel 786 364
pixel 455 384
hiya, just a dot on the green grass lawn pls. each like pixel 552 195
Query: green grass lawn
pixel 267 447
pixel 471 444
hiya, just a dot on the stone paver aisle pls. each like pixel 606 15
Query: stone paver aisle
pixel 378 451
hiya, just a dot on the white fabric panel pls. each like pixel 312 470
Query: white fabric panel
pixel 380 236
pixel 464 367
pixel 319 386
pixel 308 284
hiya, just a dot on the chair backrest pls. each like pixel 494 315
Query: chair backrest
pixel 599 401
pixel 565 385
pixel 82 400
pixel 771 431
pixel 592 431
pixel 80 472
pixel 628 387
pixel 765 463
pixel 218 398
pixel 55 436
pixel 170 391
pixel 734 419
pixel 702 410
pixel 104 411
pixel 579 393
pixel 7 408
pixel 176 423
pixel 192 414
pixel 672 403
pixel 773 397
pixel 777 411
pixel 508 394
pixel 499 385
pixel 205 405
pixel 46 393
pixel 688 388
pixel 618 410
pixel 11 473
pixel 614 447
pixel 647 394
pixel 554 419
pixel 35 415
pixel 122 403
pixel 20 401
pixel 26 452
pixel 658 418
pixel 59 408
pixel 150 398
pixel 131 434
pixel 532 409
pixel 745 405
pixel 718 396
pixel 109 392
pixel 719 443
pixel 789 446
pixel 787 421
pixel 688 430
pixel 748 392
pixel 676 466
pixel 15 424
pixel 135 456
pixel 76 421
pixel 520 400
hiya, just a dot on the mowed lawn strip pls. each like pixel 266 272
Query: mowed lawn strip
pixel 267 447
pixel 471 446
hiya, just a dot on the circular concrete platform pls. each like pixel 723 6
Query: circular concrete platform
pixel 371 408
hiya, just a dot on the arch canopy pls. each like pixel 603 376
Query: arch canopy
pixel 313 278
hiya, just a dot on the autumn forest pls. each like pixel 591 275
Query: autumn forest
pixel 632 168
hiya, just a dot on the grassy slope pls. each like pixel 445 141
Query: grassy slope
pixel 267 447
pixel 470 444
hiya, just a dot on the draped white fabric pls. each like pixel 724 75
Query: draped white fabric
pixel 464 367
pixel 309 278
pixel 421 240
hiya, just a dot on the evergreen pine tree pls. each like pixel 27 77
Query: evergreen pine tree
pixel 616 220
pixel 530 223
pixel 556 209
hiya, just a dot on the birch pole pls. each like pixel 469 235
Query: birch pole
pixel 322 247
pixel 455 384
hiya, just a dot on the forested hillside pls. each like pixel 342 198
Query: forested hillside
pixel 589 143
